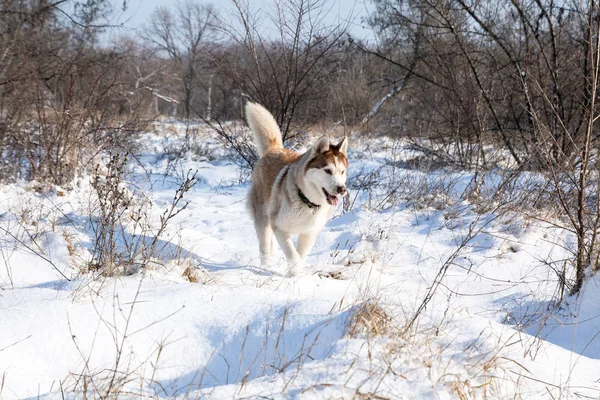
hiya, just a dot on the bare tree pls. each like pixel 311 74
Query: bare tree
pixel 60 95
pixel 182 35
pixel 282 68
pixel 521 75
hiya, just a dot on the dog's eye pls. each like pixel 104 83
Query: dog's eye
pixel 343 172
pixel 328 171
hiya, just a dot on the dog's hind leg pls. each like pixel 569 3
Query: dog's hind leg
pixel 264 232
pixel 266 247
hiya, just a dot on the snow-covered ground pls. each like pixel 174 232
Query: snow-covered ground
pixel 204 320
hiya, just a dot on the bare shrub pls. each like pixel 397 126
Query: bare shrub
pixel 114 199
pixel 126 237
pixel 236 138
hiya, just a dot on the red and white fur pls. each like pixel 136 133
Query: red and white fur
pixel 292 193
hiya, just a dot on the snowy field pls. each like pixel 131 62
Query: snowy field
pixel 202 319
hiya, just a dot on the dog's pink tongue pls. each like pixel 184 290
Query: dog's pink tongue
pixel 333 200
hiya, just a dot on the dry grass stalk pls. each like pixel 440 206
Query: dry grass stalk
pixel 195 274
pixel 369 318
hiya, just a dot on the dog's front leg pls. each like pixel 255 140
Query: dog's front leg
pixel 306 241
pixel 287 245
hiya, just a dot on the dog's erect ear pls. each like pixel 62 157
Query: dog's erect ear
pixel 343 146
pixel 322 145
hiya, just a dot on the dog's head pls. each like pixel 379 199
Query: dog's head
pixel 328 168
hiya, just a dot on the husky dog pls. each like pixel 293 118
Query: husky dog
pixel 292 193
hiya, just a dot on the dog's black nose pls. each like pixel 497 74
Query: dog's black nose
pixel 341 189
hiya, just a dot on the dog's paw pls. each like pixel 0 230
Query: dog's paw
pixel 296 267
pixel 266 260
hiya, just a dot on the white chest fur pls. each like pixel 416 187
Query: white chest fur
pixel 296 217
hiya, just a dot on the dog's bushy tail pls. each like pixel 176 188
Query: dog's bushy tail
pixel 264 128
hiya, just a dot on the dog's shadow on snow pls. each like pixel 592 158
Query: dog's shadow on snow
pixel 271 344
pixel 232 265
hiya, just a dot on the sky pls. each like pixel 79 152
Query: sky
pixel 138 12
